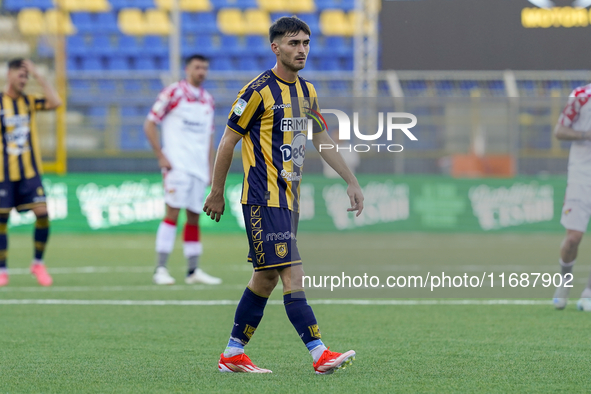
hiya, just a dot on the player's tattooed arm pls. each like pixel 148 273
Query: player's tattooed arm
pixel 335 160
pixel 151 131
pixel 565 133
pixel 52 99
pixel 215 202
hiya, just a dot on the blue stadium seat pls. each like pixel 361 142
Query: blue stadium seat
pixel 206 22
pixel 118 63
pixel 232 45
pixel 83 22
pixel 348 63
pixel 97 111
pixel 91 63
pixel 242 4
pixel 133 138
pixel 203 44
pixel 312 21
pixel 155 85
pixel 145 63
pixel 102 45
pixel 80 84
pixel 155 45
pixel 257 45
pixel 247 64
pixel 129 111
pixel 329 64
pixel 128 45
pixel 132 85
pixel 17 5
pixel 76 45
pixel 106 22
pixel 221 64
pixel 337 46
pixel 119 4
pixel 162 62
pixel 106 85
pixel 73 64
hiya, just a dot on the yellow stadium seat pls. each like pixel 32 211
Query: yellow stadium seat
pixel 157 22
pixel 164 4
pixel 273 5
pixel 257 21
pixel 31 22
pixel 84 5
pixel 59 22
pixel 71 5
pixel 300 6
pixel 131 21
pixel 96 5
pixel 335 23
pixel 195 5
pixel 231 21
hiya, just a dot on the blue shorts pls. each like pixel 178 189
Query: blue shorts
pixel 271 235
pixel 22 195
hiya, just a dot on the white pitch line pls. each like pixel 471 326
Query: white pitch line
pixel 272 302
pixel 84 270
pixel 116 288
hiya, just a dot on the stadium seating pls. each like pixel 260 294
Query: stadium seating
pixel 157 22
pixel 335 23
pixel 274 5
pixel 257 21
pixel 231 21
pixel 84 5
pixel 31 21
pixel 131 21
pixel 58 22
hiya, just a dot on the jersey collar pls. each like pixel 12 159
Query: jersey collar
pixel 283 80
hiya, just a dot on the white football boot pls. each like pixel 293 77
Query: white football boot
pixel 561 297
pixel 584 304
pixel 199 276
pixel 162 277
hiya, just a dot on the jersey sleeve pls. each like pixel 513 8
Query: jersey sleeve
pixel 318 125
pixel 246 110
pixel 162 106
pixel 37 102
pixel 571 111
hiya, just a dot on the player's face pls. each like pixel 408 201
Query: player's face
pixel 293 51
pixel 196 71
pixel 17 79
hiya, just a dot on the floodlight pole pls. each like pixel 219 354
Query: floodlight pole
pixel 366 45
pixel 175 42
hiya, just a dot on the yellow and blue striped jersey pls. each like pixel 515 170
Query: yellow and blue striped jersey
pixel 271 115
pixel 21 158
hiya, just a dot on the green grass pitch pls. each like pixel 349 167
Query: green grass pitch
pixel 175 348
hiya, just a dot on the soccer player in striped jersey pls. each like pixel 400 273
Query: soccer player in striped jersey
pixel 269 116
pixel 20 167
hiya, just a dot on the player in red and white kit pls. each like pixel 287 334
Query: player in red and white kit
pixel 574 125
pixel 184 111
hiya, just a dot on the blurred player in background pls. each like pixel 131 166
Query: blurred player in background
pixel 185 112
pixel 269 116
pixel 574 125
pixel 20 168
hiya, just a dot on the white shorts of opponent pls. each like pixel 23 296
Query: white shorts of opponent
pixel 183 190
pixel 576 210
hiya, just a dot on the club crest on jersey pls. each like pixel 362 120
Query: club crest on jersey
pixel 281 249
pixel 239 107
pixel 296 151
